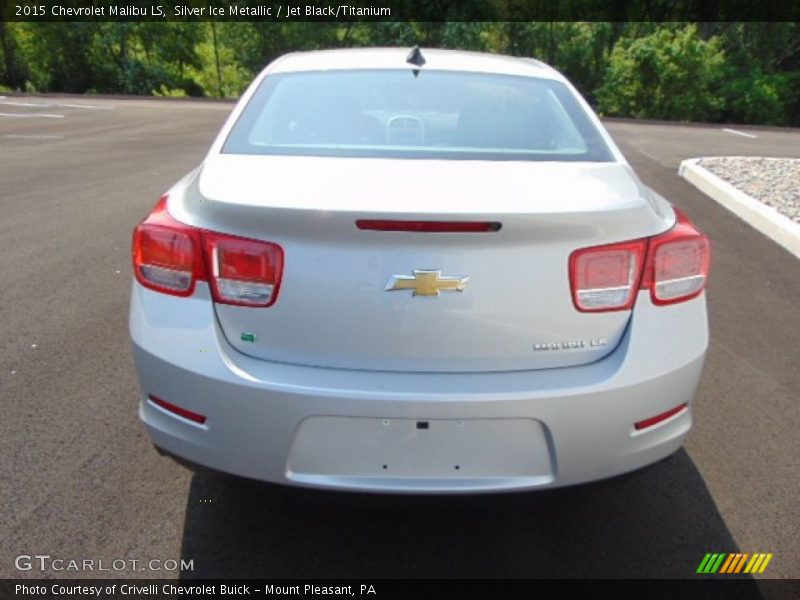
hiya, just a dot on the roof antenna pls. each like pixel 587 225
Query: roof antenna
pixel 415 58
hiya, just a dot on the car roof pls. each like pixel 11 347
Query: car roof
pixel 395 58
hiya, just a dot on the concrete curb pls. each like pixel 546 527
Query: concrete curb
pixel 765 219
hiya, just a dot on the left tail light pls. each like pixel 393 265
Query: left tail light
pixel 171 257
pixel 243 271
pixel 167 255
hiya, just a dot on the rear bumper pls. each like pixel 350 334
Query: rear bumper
pixel 357 430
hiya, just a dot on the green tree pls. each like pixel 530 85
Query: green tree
pixel 739 72
pixel 218 72
pixel 581 53
pixel 57 55
pixel 762 72
pixel 669 74
pixel 254 45
pixel 11 71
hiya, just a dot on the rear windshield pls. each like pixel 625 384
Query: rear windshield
pixel 436 114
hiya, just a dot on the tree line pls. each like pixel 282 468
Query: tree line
pixel 714 72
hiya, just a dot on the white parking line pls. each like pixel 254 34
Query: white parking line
pixel 87 106
pixel 53 104
pixel 33 136
pixel 15 103
pixel 742 133
pixel 32 115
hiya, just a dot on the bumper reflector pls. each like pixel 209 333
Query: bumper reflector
pixel 181 412
pixel 658 418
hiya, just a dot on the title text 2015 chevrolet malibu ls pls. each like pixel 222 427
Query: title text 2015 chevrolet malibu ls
pixel 431 272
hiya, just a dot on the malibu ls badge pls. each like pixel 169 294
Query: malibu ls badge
pixel 571 344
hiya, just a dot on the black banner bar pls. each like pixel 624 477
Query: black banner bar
pixel 707 588
pixel 398 10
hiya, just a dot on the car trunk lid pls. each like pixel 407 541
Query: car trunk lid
pixel 336 307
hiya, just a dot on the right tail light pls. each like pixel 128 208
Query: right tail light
pixel 673 266
pixel 677 264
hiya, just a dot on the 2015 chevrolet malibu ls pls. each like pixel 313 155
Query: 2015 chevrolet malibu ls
pixel 425 272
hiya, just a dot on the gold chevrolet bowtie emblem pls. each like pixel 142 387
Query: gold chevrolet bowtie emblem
pixel 426 283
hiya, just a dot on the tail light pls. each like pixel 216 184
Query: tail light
pixel 166 253
pixel 677 263
pixel 673 266
pixel 170 257
pixel 243 271
pixel 606 277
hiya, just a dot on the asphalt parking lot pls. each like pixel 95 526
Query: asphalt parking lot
pixel 80 479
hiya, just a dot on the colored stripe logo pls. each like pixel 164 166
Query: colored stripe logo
pixel 734 563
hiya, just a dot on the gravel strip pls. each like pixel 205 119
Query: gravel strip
pixel 773 181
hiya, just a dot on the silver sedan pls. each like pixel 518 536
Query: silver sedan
pixel 425 271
